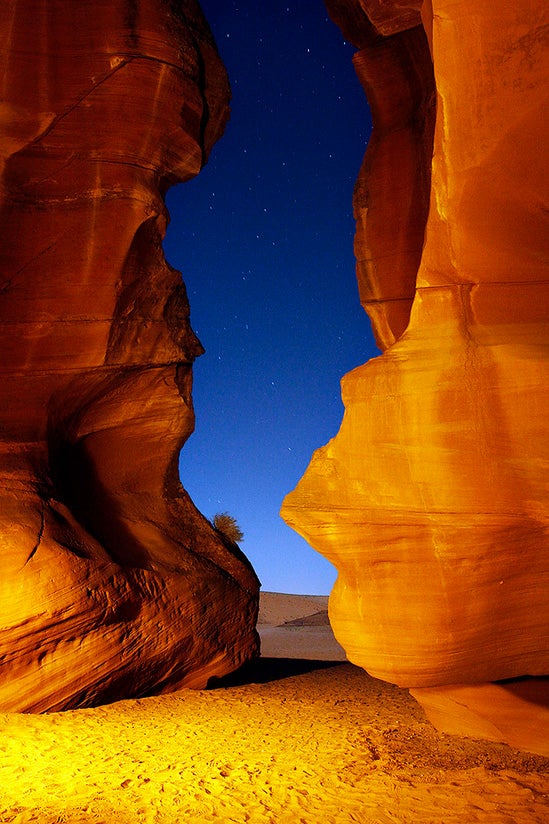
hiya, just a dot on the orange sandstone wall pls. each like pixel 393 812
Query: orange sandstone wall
pixel 112 584
pixel 431 501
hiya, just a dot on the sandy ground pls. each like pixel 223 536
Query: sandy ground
pixel 285 740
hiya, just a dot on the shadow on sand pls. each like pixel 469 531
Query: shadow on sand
pixel 264 670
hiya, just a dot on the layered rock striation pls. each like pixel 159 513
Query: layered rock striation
pixel 112 584
pixel 432 499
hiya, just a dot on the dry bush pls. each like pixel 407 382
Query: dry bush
pixel 227 525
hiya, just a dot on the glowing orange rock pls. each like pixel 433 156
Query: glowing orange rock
pixel 432 499
pixel 111 582
pixel 515 712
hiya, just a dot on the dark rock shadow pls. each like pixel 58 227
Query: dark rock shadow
pixel 533 690
pixel 266 670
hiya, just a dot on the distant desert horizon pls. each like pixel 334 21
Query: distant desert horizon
pixel 296 626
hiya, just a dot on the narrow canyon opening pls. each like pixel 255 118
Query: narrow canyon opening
pixel 429 497
pixel 264 239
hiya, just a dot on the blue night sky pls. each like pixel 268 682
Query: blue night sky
pixel 264 239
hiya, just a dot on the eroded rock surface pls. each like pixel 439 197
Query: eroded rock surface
pixel 112 584
pixel 432 499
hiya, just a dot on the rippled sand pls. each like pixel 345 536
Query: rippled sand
pixel 285 741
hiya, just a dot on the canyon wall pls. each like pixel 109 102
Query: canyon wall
pixel 112 584
pixel 431 501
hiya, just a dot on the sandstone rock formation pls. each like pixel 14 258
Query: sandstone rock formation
pixel 432 499
pixel 112 584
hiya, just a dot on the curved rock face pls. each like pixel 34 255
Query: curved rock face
pixel 112 584
pixel 431 500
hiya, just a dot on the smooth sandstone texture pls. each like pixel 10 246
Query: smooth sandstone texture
pixel 515 712
pixel 431 501
pixel 112 584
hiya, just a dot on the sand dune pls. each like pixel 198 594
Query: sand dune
pixel 277 608
pixel 284 741
pixel 297 626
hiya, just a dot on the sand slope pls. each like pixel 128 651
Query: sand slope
pixel 302 742
pixel 277 608
pixel 297 626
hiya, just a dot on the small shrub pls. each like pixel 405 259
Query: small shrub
pixel 228 526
